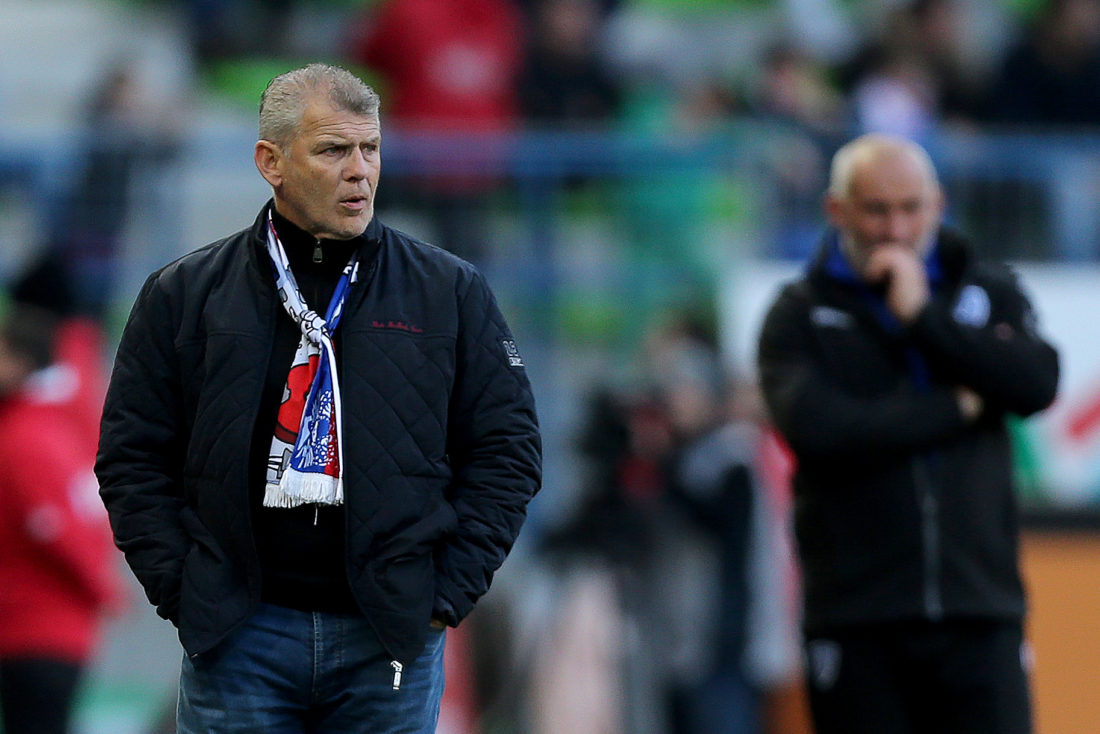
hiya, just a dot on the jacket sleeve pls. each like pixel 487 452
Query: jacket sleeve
pixel 139 464
pixel 495 452
pixel 821 420
pixel 1003 359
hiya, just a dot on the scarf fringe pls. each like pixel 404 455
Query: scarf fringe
pixel 304 489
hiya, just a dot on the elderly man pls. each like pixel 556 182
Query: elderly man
pixel 890 368
pixel 319 442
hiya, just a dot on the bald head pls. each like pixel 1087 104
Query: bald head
pixel 883 191
pixel 876 150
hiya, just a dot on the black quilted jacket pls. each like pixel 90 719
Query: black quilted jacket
pixel 442 450
pixel 902 510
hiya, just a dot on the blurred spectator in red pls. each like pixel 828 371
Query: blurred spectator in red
pixel 449 65
pixel 1052 74
pixel 78 344
pixel 450 68
pixel 57 576
pixel 564 79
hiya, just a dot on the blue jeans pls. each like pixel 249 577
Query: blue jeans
pixel 292 672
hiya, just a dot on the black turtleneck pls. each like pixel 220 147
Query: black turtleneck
pixel 301 549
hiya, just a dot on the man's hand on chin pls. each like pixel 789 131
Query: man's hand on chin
pixel 902 271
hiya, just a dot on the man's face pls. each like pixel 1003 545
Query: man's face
pixel 892 201
pixel 325 179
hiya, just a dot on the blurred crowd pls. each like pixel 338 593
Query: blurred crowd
pixel 668 589
pixel 901 65
pixel 670 578
pixel 820 71
pixel 464 70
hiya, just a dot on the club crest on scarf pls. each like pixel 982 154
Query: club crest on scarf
pixel 306 458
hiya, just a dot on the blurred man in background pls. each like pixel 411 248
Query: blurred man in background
pixel 57 576
pixel 890 368
pixel 450 69
pixel 313 499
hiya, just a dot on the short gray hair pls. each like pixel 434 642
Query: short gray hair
pixel 284 101
pixel 867 147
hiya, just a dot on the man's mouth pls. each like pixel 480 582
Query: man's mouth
pixel 354 202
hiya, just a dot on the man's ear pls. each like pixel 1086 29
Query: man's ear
pixel 269 161
pixel 940 203
pixel 830 205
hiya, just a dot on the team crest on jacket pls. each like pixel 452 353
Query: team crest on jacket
pixel 972 308
pixel 831 317
pixel 512 353
pixel 823 659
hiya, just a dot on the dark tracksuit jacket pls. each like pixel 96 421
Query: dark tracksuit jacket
pixel 903 511
pixel 442 449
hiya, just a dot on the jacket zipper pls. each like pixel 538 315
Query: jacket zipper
pixel 397 668
pixel 930 539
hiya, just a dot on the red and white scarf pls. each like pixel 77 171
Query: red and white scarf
pixel 305 464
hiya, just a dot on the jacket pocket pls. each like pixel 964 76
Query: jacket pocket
pixel 213 593
pixel 408 576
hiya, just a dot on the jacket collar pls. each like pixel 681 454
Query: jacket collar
pixel 259 262
pixel 951 255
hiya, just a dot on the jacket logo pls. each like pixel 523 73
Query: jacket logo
pixel 972 308
pixel 512 353
pixel 823 658
pixel 831 317
pixel 399 325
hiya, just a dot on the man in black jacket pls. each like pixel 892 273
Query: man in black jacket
pixel 311 496
pixel 890 369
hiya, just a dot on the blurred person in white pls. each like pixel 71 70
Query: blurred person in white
pixel 890 368
pixel 667 612
pixel 57 576
pixel 924 63
pixel 725 608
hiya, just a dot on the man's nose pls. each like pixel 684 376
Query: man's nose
pixel 897 226
pixel 357 167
